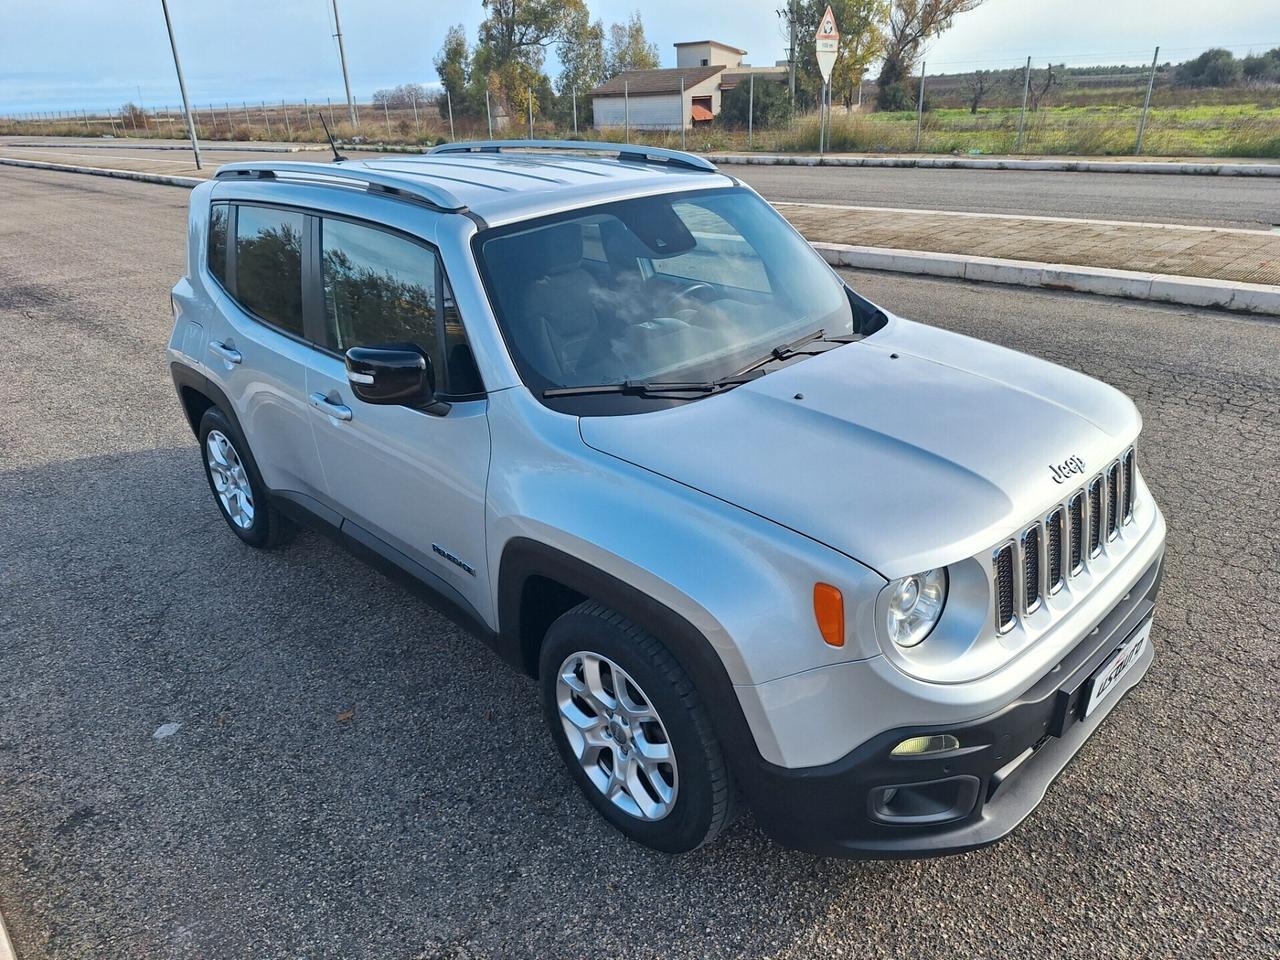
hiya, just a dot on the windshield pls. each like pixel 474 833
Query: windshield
pixel 687 286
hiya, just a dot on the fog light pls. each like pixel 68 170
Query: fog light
pixel 918 746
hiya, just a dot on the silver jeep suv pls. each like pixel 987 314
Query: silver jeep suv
pixel 756 538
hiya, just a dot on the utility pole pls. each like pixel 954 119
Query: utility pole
pixel 920 109
pixel 682 111
pixel 574 92
pixel 1022 120
pixel 488 112
pixel 182 85
pixel 1142 124
pixel 531 113
pixel 791 50
pixel 751 111
pixel 342 55
pixel 626 109
pixel 449 101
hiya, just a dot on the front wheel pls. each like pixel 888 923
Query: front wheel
pixel 632 730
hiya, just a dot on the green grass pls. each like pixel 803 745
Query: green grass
pixel 1238 130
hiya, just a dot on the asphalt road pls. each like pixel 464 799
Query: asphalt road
pixel 436 822
pixel 1249 202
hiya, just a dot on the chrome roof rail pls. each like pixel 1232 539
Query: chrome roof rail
pixel 405 188
pixel 625 151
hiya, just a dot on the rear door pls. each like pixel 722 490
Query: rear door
pixel 413 479
pixel 256 350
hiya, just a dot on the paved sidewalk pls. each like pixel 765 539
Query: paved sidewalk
pixel 1241 256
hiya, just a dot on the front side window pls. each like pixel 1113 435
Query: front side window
pixel 379 288
pixel 685 287
pixel 269 265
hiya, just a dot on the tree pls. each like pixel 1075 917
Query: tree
pixel 1042 84
pixel 1263 68
pixel 979 83
pixel 1213 68
pixel 453 65
pixel 506 63
pixel 770 106
pixel 402 97
pixel 911 23
pixel 629 49
pixel 581 53
pixel 861 42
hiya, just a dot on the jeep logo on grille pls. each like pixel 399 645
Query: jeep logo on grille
pixel 1064 471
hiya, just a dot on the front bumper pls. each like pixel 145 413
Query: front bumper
pixel 981 791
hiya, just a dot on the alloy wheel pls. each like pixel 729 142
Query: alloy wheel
pixel 617 736
pixel 230 479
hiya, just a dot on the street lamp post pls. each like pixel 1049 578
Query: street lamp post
pixel 182 86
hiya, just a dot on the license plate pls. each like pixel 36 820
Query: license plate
pixel 1108 676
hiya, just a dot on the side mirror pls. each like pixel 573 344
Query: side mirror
pixel 398 374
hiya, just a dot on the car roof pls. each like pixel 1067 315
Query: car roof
pixel 504 187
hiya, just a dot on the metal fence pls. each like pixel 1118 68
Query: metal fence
pixel 1024 107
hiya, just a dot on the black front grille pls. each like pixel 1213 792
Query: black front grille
pixel 1056 551
pixel 1075 531
pixel 1031 567
pixel 1128 486
pixel 1113 504
pixel 1004 588
pixel 1053 540
pixel 1095 517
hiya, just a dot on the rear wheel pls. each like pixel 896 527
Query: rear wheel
pixel 632 730
pixel 236 484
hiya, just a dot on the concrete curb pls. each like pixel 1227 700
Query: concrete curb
pixel 187 182
pixel 205 147
pixel 6 945
pixel 976 163
pixel 1256 298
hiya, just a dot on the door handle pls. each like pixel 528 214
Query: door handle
pixel 229 354
pixel 339 411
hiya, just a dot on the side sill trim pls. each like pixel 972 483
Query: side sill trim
pixel 433 589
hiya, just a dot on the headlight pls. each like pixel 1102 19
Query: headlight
pixel 915 603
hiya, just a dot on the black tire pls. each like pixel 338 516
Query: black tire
pixel 704 797
pixel 268 527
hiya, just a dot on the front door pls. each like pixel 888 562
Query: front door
pixel 413 479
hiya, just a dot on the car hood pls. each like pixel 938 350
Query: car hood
pixel 914 448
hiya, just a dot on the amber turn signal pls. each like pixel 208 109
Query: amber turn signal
pixel 828 608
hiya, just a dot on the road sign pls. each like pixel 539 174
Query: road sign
pixel 827 41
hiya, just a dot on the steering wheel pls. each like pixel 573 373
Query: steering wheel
pixel 687 292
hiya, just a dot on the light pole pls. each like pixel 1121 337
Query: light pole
pixel 342 55
pixel 182 86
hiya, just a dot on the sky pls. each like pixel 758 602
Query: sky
pixel 94 54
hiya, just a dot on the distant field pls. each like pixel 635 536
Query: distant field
pixel 1223 130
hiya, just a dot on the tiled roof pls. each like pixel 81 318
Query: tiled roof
pixel 641 82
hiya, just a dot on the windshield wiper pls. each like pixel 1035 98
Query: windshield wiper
pixel 702 388
pixel 650 388
pixel 782 352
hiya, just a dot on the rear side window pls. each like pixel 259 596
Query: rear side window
pixel 269 265
pixel 219 215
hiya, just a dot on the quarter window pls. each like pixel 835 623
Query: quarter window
pixel 219 214
pixel 269 265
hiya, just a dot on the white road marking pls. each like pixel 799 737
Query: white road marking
pixel 90 156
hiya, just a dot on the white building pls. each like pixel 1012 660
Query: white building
pixel 651 99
